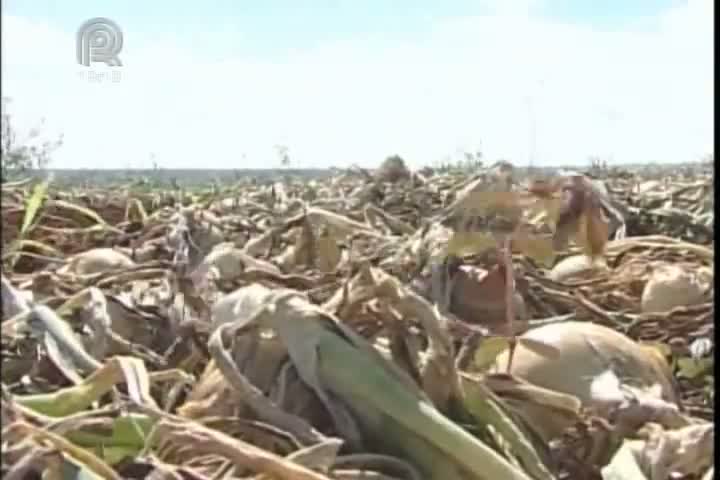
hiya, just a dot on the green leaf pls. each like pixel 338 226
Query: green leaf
pixel 485 408
pixel 389 407
pixel 387 404
pixel 33 205
pixel 491 347
pixel 692 368
pixel 127 439
pixel 404 419
pixel 70 400
pixel 488 351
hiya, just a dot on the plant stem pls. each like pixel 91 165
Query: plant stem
pixel 505 256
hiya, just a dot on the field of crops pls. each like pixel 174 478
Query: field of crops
pixel 386 324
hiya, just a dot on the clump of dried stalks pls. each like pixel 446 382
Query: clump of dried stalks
pixel 394 325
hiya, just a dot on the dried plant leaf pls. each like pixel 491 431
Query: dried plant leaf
pixel 328 253
pixel 470 243
pixel 520 208
pixel 320 456
pixel 540 347
pixel 340 226
pixel 685 451
pixel 241 453
pixel 43 248
pixel 13 302
pixel 79 455
pixel 581 218
pixel 323 350
pixel 375 365
pixel 135 212
pixel 535 246
pixel 623 466
pixel 85 212
pixel 593 232
pixel 67 342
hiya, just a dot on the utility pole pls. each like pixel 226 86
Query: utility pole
pixel 532 131
pixel 612 116
pixel 535 90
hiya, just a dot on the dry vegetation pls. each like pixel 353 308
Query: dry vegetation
pixel 358 328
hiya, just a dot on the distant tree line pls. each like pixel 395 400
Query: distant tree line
pixel 20 153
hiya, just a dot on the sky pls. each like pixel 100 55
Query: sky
pixel 338 82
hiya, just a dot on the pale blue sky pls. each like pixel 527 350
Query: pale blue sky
pixel 218 84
